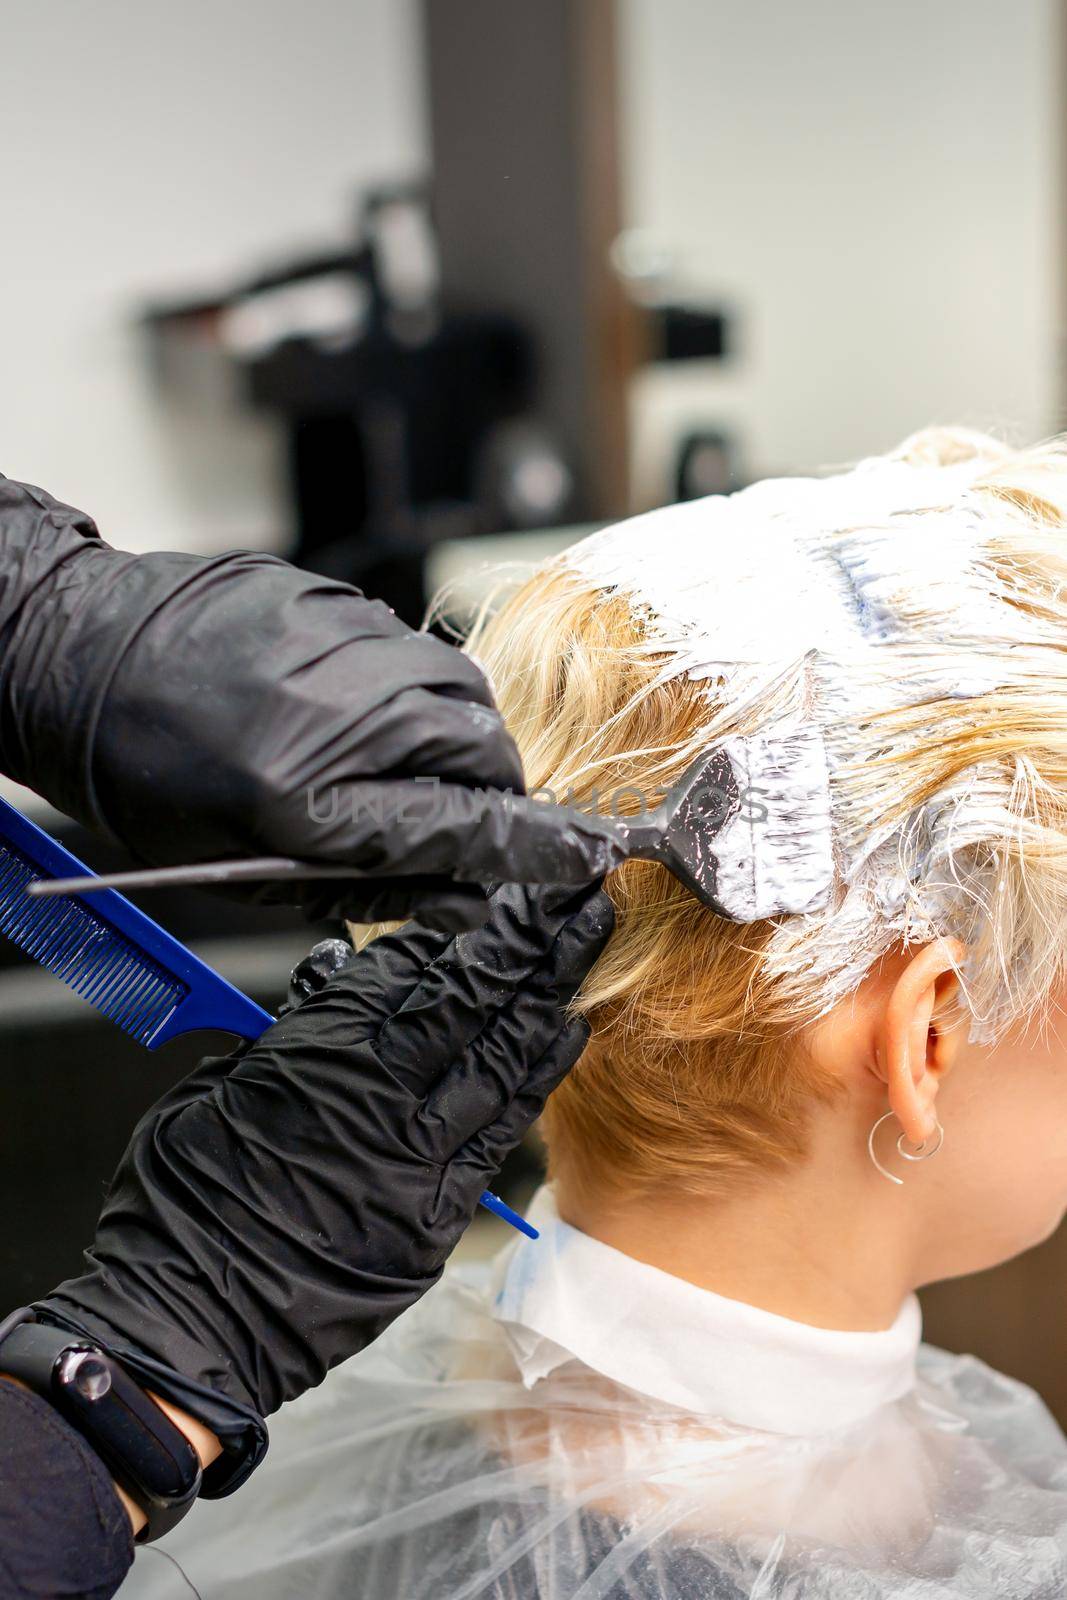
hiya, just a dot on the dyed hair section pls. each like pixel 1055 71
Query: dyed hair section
pixel 950 813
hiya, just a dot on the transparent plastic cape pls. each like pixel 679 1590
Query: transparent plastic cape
pixel 425 1470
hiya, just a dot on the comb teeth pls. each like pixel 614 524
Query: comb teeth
pixel 68 938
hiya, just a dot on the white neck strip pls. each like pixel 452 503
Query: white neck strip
pixel 569 1297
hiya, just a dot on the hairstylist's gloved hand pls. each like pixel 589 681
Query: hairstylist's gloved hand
pixel 201 709
pixel 279 1208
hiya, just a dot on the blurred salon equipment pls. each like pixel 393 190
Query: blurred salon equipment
pixel 462 366
pixel 400 416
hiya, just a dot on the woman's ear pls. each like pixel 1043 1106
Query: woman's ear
pixel 915 1051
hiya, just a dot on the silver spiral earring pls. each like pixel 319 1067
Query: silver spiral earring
pixel 919 1152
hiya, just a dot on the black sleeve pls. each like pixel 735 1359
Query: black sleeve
pixel 63 1529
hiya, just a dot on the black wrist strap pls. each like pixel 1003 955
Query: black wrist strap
pixel 138 1443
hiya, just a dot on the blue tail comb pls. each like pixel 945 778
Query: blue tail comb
pixel 123 963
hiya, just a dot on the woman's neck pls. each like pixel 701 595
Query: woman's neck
pixel 802 1245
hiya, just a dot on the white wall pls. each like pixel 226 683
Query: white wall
pixel 876 189
pixel 163 146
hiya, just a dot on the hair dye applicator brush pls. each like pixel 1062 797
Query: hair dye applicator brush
pixel 746 829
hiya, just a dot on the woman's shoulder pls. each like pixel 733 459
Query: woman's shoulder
pixel 427 1468
pixel 991 1405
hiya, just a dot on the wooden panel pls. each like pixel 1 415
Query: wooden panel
pixel 1014 1317
pixel 525 161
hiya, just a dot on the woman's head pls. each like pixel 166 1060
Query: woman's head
pixel 915 613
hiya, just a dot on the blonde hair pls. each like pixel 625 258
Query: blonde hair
pixel 694 1075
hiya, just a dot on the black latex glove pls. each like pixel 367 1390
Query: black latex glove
pixel 200 709
pixel 279 1208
